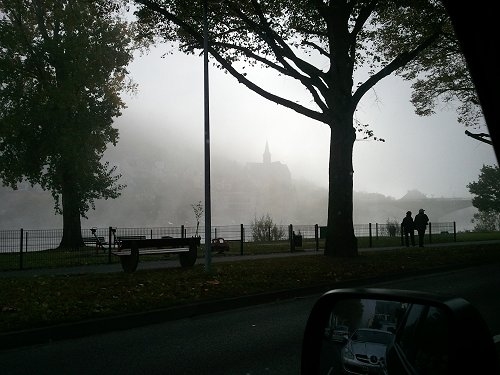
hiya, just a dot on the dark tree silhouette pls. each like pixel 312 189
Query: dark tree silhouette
pixel 320 45
pixel 62 67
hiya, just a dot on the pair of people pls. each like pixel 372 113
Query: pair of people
pixel 419 223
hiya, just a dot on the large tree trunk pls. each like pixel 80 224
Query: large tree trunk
pixel 340 239
pixel 72 228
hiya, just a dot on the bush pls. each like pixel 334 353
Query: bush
pixel 264 229
pixel 486 221
pixel 393 227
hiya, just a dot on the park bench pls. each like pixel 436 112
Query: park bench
pixel 129 250
pixel 220 245
pixel 96 241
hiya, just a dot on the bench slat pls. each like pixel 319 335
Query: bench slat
pixel 159 243
pixel 153 251
pixel 93 240
pixel 126 238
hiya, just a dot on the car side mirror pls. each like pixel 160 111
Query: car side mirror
pixel 382 331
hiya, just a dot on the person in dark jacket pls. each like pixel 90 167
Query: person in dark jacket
pixel 420 222
pixel 408 229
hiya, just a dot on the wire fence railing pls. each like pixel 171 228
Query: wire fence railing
pixel 25 249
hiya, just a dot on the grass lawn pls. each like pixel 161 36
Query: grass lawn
pixel 37 301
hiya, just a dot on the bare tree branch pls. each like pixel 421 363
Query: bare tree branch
pixel 483 137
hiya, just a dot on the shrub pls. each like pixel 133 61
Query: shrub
pixel 263 229
pixel 393 227
pixel 486 221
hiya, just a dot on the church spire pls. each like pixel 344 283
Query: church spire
pixel 267 155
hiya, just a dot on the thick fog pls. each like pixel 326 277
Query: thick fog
pixel 431 154
pixel 161 155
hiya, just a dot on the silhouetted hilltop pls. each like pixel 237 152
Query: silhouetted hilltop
pixel 413 195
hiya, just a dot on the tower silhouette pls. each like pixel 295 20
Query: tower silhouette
pixel 267 155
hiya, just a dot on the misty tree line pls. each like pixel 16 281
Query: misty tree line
pixel 63 67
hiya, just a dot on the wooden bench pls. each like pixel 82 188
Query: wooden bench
pixel 97 241
pixel 220 245
pixel 129 250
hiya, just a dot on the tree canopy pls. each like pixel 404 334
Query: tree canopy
pixel 336 50
pixel 446 80
pixel 62 68
pixel 486 189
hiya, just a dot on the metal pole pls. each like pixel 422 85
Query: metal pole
pixel 208 220
pixel 316 236
pixel 242 238
pixel 21 249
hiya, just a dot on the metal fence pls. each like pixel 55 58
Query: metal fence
pixel 23 249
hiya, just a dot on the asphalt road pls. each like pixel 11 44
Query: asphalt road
pixel 260 339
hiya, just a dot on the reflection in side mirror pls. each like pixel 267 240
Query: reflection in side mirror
pixel 360 347
pixel 373 331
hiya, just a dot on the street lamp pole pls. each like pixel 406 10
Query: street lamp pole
pixel 208 218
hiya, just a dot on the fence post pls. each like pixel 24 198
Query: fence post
pixel 316 236
pixel 21 249
pixel 110 234
pixel 376 231
pixel 370 234
pixel 215 229
pixel 430 232
pixel 182 231
pixel 290 237
pixel 454 231
pixel 242 235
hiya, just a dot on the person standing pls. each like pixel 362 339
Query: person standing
pixel 420 222
pixel 408 229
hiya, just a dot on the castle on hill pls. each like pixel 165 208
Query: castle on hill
pixel 269 172
pixel 261 188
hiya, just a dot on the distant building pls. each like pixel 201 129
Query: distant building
pixel 272 192
pixel 260 189
pixel 269 172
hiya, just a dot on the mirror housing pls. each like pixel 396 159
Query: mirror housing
pixel 464 339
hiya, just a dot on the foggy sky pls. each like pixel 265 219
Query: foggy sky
pixel 430 154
